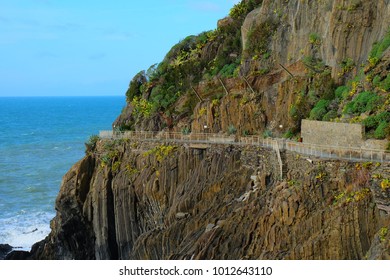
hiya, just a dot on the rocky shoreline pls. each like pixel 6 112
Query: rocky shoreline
pixel 7 252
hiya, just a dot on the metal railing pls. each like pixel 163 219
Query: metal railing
pixel 322 151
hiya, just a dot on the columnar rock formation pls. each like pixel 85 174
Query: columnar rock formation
pixel 220 203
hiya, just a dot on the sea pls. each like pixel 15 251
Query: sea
pixel 40 139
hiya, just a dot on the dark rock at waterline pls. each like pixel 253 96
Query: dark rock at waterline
pixel 18 255
pixel 4 250
pixel 24 255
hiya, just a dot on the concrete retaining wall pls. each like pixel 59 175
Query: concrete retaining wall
pixel 332 134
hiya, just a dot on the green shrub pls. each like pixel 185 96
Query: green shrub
pixel 135 86
pixel 288 135
pixel 383 233
pixel 346 66
pixel 385 84
pixel 131 170
pixel 267 133
pixel 91 144
pixel 364 102
pixel 259 37
pixel 232 129
pixel 314 39
pixel 267 55
pixel 241 9
pixel 246 133
pixel 228 70
pixel 332 114
pixel 373 121
pixel 342 92
pixel 186 130
pixel 116 166
pixel 370 122
pixel 142 108
pixel 314 64
pixel 163 96
pixel 378 49
pixel 105 160
pixel 161 152
pixel 381 130
pixel 293 112
pixel 376 81
pixel 319 111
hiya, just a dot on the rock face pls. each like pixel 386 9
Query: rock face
pixel 269 109
pixel 342 29
pixel 221 203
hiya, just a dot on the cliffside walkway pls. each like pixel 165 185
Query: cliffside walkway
pixel 321 151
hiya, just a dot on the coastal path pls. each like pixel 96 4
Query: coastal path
pixel 321 151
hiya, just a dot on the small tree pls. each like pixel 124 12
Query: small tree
pixel 135 86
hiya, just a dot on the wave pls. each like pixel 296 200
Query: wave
pixel 41 140
pixel 22 231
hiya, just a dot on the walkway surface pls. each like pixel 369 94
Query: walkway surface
pixel 321 151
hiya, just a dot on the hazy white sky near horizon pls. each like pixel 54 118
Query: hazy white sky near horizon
pixel 85 47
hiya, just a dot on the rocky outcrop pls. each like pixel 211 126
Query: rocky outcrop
pixel 221 203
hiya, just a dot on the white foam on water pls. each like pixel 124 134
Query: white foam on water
pixel 24 230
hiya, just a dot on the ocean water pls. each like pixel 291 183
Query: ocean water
pixel 40 139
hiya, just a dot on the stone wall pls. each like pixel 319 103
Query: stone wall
pixel 332 134
pixel 375 144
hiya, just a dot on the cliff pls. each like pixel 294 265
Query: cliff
pixel 333 31
pixel 266 67
pixel 269 65
pixel 225 202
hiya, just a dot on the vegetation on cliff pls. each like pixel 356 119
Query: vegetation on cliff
pixel 241 59
pixel 193 60
pixel 363 97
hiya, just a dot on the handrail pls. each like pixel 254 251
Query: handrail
pixel 322 151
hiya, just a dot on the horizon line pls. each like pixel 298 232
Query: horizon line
pixel 24 96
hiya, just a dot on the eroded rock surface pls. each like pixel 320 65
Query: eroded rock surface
pixel 222 203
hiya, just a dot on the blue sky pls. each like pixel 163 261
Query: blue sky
pixel 85 47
